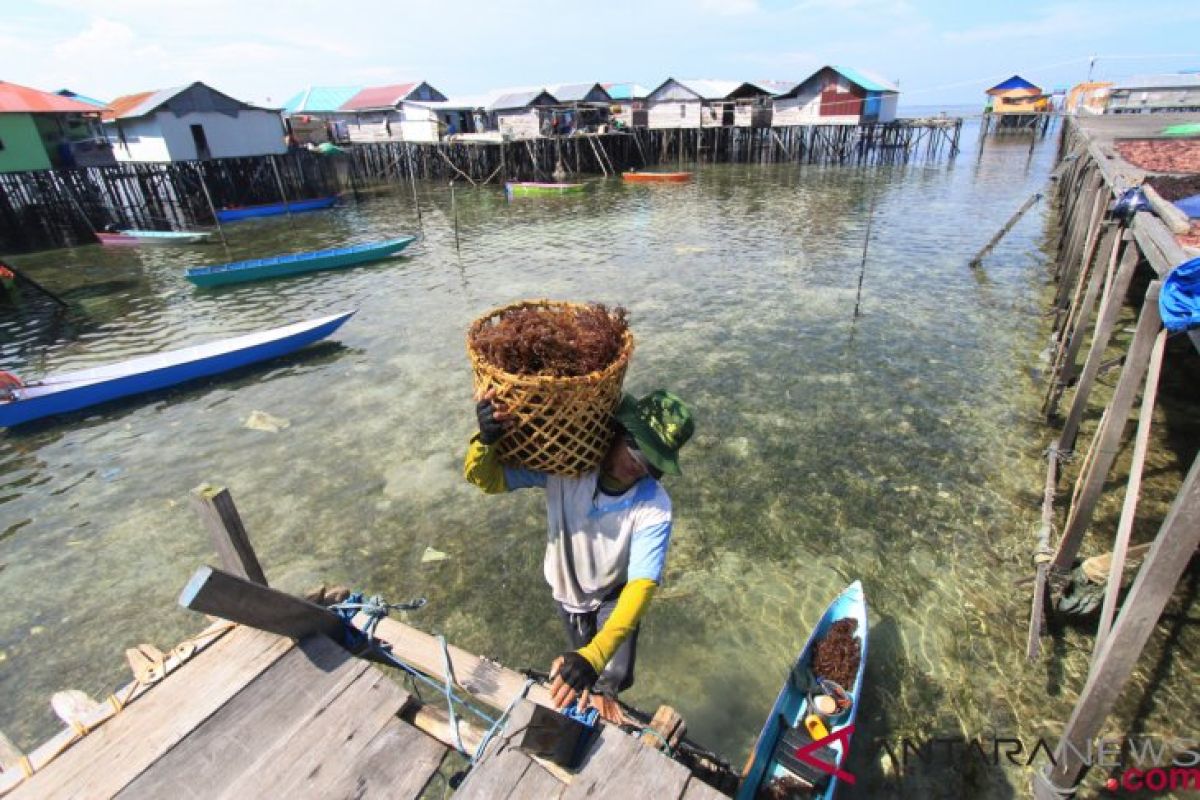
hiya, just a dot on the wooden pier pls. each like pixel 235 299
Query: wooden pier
pixel 1106 262
pixel 281 708
pixel 61 208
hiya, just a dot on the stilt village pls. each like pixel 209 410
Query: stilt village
pixel 341 692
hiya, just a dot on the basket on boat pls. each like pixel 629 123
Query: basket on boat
pixel 562 424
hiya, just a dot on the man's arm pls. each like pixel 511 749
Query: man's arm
pixel 482 468
pixel 631 605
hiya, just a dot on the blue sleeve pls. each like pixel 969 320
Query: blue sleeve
pixel 523 479
pixel 648 552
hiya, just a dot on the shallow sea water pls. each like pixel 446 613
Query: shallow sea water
pixel 901 447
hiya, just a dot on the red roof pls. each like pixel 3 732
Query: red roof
pixel 125 104
pixel 379 96
pixel 16 99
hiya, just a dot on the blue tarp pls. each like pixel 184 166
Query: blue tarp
pixel 1015 82
pixel 1179 300
pixel 1190 206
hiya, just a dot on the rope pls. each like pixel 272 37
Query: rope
pixel 448 669
pixel 487 737
pixel 666 745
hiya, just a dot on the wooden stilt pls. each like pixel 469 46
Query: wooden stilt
pixel 215 506
pixel 1169 556
pixel 1008 226
pixel 1108 438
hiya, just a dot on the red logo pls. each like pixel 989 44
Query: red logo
pixel 805 753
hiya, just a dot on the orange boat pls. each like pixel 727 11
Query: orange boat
pixel 656 177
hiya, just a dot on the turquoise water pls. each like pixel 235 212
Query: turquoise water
pixel 900 447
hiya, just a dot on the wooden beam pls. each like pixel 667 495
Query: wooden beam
pixel 1105 444
pixel 1132 491
pixel 1169 556
pixel 1110 310
pixel 1033 642
pixel 1176 221
pixel 211 591
pixel 215 506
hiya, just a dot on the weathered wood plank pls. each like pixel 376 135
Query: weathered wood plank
pixel 397 763
pixel 270 708
pixel 212 591
pixel 610 753
pixel 697 789
pixel 537 784
pixel 215 506
pixel 621 767
pixel 113 755
pixel 328 739
pixel 1169 556
pixel 496 775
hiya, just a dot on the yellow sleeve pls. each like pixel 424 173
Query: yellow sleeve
pixel 631 605
pixel 482 467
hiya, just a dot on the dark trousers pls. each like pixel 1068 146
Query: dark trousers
pixel 618 674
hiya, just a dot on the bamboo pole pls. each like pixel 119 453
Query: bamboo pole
pixel 1008 226
pixel 287 208
pixel 212 208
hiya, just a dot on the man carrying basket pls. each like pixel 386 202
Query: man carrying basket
pixel 606 541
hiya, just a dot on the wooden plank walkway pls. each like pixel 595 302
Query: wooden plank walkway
pixel 260 715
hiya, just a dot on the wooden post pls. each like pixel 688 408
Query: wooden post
pixel 1033 643
pixel 1169 556
pixel 1105 444
pixel 1132 490
pixel 211 591
pixel 279 183
pixel 215 506
pixel 1008 226
pixel 212 208
pixel 1110 309
pixel 454 209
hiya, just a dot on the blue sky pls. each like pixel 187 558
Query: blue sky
pixel 941 53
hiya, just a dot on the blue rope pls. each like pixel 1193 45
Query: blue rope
pixel 487 737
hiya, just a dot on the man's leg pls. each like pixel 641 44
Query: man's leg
pixel 580 628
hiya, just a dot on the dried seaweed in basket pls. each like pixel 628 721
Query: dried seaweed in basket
pixel 836 657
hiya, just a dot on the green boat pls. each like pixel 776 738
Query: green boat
pixel 529 188
pixel 295 263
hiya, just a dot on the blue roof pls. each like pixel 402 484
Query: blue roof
pixel 626 91
pixel 320 99
pixel 869 82
pixel 1015 82
pixel 81 98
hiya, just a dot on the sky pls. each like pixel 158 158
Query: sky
pixel 940 53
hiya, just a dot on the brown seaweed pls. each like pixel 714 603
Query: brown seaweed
pixel 836 657
pixel 553 342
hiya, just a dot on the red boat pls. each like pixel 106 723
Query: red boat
pixel 656 177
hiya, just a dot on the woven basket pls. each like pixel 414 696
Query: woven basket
pixel 562 424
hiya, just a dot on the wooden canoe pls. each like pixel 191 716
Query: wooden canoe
pixel 234 213
pixel 656 177
pixel 152 237
pixel 529 188
pixel 71 391
pixel 280 266
pixel 791 707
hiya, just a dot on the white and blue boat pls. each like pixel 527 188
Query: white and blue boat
pixel 132 236
pixel 280 266
pixel 72 391
pixel 786 723
pixel 234 213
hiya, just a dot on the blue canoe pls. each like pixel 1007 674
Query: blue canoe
pixel 72 391
pixel 279 266
pixel 791 707
pixel 273 209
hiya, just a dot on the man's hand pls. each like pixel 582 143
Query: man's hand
pixel 494 419
pixel 571 678
pixel 611 711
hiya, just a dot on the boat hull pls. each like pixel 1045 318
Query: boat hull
pixel 792 702
pixel 282 266
pixel 274 209
pixel 526 189
pixel 134 237
pixel 67 392
pixel 656 177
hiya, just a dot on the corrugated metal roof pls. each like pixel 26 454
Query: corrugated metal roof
pixel 320 99
pixel 67 93
pixel 626 91
pixel 16 99
pixel 379 96
pixel 709 89
pixel 143 103
pixel 1015 82
pixel 867 80
pixel 1176 80
pixel 776 87
pixel 518 99
pixel 575 92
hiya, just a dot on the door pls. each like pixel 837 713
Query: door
pixel 201 141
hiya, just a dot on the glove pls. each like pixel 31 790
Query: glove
pixel 576 672
pixel 490 428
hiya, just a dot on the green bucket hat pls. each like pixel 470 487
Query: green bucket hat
pixel 661 424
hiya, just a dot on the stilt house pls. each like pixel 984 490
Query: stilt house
pixel 312 115
pixel 1146 94
pixel 523 113
pixel 193 122
pixel 1017 96
pixel 836 95
pixel 40 130
pixel 679 103
pixel 581 107
pixel 393 113
pixel 628 103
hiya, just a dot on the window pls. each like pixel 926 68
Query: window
pixel 682 110
pixel 1 144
